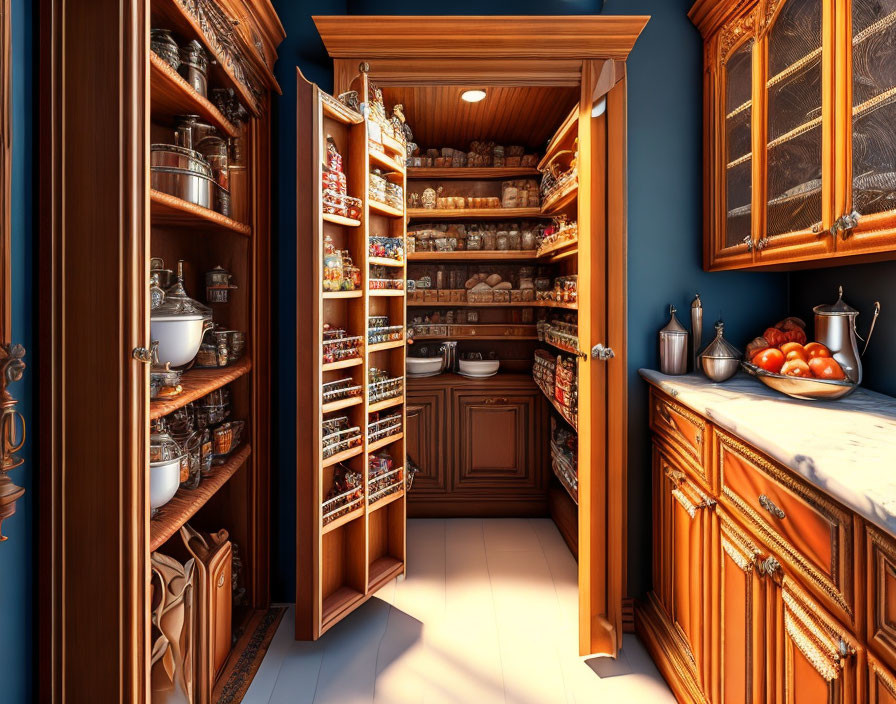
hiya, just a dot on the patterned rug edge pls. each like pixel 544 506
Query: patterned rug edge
pixel 252 646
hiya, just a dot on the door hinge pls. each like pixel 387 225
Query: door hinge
pixel 602 353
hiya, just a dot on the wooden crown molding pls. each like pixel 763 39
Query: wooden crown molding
pixel 709 15
pixel 420 37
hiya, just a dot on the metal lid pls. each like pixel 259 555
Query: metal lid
pixel 673 327
pixel 838 308
pixel 162 447
pixel 178 304
pixel 720 348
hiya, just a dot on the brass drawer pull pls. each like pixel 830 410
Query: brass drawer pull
pixel 769 506
pixel 689 506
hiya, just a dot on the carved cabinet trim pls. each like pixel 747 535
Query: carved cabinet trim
pixel 881 578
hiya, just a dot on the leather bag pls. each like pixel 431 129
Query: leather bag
pixel 171 662
pixel 213 556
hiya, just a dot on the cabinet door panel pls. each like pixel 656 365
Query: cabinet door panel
pixel 881 598
pixel 881 683
pixel 495 446
pixel 871 181
pixel 427 441
pixel 741 628
pixel 816 655
pixel 798 134
pixel 683 588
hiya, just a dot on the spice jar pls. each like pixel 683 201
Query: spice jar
pixel 489 240
pixel 502 241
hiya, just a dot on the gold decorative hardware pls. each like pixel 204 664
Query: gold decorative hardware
pixel 12 367
pixel 770 506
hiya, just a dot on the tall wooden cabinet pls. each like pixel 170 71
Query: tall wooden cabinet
pixel 797 99
pixel 105 98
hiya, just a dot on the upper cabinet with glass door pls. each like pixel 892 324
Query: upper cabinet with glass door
pixel 800 161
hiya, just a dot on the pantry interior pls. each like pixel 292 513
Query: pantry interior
pixel 463 310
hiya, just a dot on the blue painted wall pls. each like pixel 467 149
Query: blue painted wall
pixel 665 189
pixel 16 554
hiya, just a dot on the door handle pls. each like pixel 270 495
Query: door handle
pixel 602 353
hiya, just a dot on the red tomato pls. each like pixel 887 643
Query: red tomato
pixel 816 349
pixel 771 359
pixel 794 350
pixel 796 367
pixel 826 368
pixel 796 334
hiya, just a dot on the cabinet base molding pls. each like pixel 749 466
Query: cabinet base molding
pixel 655 632
pixel 456 505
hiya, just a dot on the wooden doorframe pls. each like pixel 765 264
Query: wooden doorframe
pixel 93 537
pixel 464 50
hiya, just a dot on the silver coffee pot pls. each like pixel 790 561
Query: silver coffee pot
pixel 835 328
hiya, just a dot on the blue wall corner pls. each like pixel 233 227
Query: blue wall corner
pixel 17 553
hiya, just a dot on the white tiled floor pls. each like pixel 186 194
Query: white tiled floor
pixel 487 613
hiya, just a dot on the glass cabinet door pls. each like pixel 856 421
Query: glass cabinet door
pixel 738 149
pixel 796 133
pixel 871 179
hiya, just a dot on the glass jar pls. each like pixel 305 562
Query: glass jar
pixel 514 240
pixel 528 240
pixel 502 241
pixel 489 240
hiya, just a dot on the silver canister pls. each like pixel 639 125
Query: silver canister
pixel 720 359
pixel 673 346
pixel 696 330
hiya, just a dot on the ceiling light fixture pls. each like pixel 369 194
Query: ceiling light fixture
pixel 473 96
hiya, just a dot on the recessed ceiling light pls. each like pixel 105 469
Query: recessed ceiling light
pixel 473 96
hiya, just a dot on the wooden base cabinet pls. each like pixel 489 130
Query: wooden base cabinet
pixel 480 446
pixel 737 614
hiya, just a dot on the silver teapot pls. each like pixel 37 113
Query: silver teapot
pixel 835 328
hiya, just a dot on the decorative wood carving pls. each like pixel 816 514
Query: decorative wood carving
pixel 731 35
pixel 12 367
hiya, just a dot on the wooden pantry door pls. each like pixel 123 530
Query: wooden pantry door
pixel 602 394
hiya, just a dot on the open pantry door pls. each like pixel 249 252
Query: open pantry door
pixel 350 360
pixel 602 408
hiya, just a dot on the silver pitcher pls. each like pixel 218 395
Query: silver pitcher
pixel 835 328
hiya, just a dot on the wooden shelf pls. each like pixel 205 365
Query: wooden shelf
pixel 358 293
pixel 385 161
pixel 339 603
pixel 385 500
pixel 380 346
pixel 374 446
pixel 474 213
pixel 388 403
pixel 467 304
pixel 170 95
pixel 384 261
pixel 342 364
pixel 170 14
pixel 342 520
pixel 557 202
pixel 342 456
pixel 560 249
pixel 196 384
pixel 565 134
pixel 383 570
pixel 557 407
pixel 470 172
pixel 336 110
pixel 494 255
pixel 393 145
pixel 490 338
pixel 172 211
pixel 384 209
pixel 343 403
pixel 340 220
pixel 186 503
pixel 386 292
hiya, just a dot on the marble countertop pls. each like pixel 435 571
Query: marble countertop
pixel 847 448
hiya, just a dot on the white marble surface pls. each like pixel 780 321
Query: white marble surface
pixel 846 447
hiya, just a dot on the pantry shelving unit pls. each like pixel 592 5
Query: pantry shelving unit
pixel 234 493
pixel 357 552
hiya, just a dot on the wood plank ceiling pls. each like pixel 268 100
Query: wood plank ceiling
pixel 524 115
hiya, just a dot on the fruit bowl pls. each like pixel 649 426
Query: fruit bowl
pixel 802 387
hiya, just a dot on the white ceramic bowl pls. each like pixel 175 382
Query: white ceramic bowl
pixel 164 479
pixel 179 337
pixel 423 365
pixel 479 367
